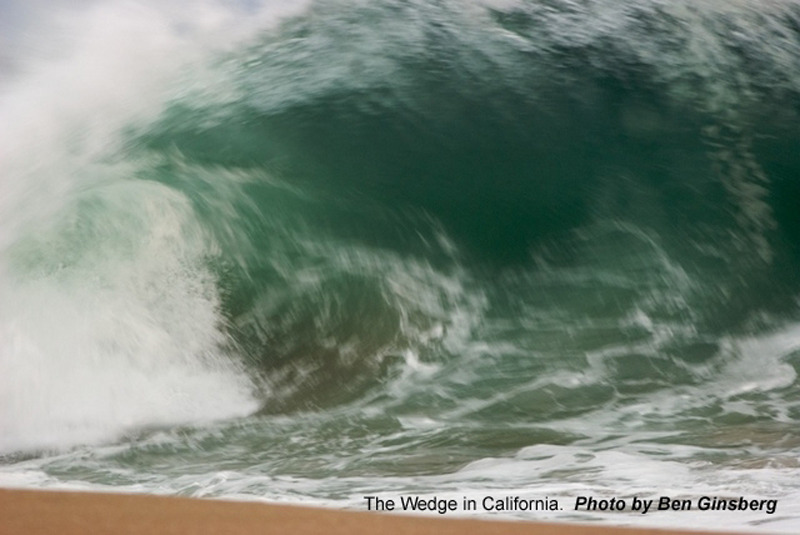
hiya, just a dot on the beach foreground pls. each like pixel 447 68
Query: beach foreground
pixel 68 513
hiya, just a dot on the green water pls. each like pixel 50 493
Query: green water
pixel 442 248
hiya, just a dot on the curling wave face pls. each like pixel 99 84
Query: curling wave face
pixel 422 245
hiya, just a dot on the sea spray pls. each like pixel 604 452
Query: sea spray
pixel 457 249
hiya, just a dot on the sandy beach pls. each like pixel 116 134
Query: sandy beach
pixel 72 513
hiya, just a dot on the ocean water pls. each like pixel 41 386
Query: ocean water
pixel 314 251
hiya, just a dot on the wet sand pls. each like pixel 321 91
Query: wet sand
pixel 33 512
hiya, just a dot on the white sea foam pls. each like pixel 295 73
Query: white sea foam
pixel 109 319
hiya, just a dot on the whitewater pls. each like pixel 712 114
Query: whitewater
pixel 312 251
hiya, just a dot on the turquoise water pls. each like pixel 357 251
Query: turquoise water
pixel 309 252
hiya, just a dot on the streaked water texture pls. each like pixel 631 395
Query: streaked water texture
pixel 312 251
